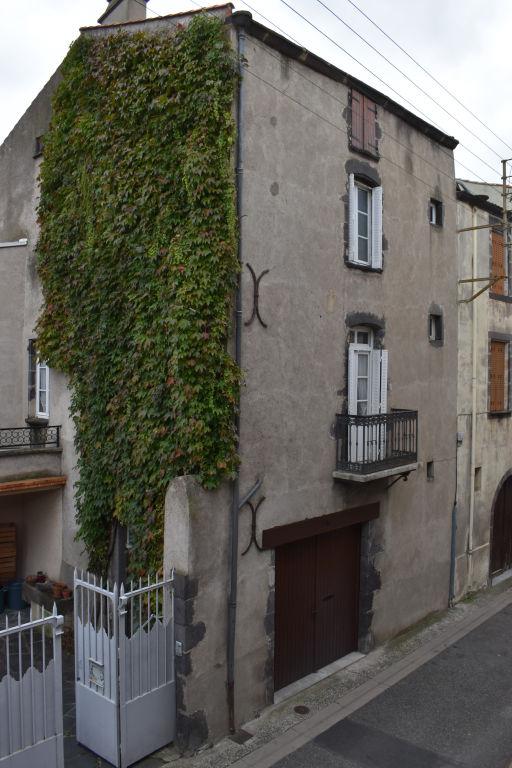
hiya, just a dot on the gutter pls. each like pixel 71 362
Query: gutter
pixel 474 323
pixel 235 503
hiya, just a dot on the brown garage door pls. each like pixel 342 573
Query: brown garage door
pixel 317 602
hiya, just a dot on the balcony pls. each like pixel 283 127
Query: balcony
pixel 29 453
pixel 377 446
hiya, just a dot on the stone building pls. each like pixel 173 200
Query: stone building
pixel 484 466
pixel 337 532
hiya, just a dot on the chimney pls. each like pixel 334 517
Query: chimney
pixel 121 11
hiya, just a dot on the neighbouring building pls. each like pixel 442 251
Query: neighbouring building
pixel 484 466
pixel 348 414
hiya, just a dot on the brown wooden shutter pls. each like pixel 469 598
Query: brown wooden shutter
pixel 370 119
pixel 498 262
pixel 497 376
pixel 357 120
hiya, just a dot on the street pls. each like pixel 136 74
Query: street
pixel 455 710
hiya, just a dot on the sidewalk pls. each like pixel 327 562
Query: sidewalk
pixel 281 730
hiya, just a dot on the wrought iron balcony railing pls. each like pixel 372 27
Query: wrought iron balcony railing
pixel 368 444
pixel 37 436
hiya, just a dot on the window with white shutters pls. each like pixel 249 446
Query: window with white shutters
pixel 365 224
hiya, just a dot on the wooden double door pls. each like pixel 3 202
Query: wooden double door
pixel 501 542
pixel 317 602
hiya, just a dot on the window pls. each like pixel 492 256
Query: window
pixel 435 327
pixel 38 384
pixel 478 478
pixel 39 145
pixel 430 470
pixel 498 376
pixel 363 124
pixel 435 212
pixel 498 264
pixel 365 224
pixel 367 375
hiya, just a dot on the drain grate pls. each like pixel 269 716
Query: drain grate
pixel 300 709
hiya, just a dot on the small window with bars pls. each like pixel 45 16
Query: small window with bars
pixel 363 124
pixel 499 377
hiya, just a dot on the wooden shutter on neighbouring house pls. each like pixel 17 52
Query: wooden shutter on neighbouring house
pixel 498 262
pixel 370 119
pixel 357 120
pixel 497 398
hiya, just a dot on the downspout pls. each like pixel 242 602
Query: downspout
pixel 474 265
pixel 235 503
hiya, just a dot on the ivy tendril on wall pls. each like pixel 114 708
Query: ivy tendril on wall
pixel 137 260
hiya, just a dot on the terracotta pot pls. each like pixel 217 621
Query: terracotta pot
pixel 56 592
pixel 66 592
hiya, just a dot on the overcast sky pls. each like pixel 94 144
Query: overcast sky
pixel 463 43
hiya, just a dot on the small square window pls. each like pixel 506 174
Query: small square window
pixel 435 328
pixel 435 212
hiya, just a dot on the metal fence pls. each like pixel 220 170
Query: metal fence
pixel 124 657
pixel 31 722
pixel 377 442
pixel 37 436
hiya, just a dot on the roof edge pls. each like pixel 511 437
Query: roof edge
pixel 193 12
pixel 243 20
pixel 478 201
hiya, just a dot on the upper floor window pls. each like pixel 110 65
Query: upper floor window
pixel 365 224
pixel 435 327
pixel 363 124
pixel 498 376
pixel 435 212
pixel 38 384
pixel 499 265
pixel 367 374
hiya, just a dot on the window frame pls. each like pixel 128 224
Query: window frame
pixel 375 222
pixel 368 131
pixel 437 207
pixel 40 366
pixel 505 340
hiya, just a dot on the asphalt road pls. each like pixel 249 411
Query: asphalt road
pixel 453 712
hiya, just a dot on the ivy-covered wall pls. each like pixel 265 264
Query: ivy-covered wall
pixel 137 259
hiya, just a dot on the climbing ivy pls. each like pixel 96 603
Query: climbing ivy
pixel 137 260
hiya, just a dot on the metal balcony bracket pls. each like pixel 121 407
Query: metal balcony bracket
pixel 403 476
pixel 256 297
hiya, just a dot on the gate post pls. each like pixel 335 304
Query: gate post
pixel 196 546
pixel 57 631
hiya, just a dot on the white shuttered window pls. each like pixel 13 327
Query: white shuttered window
pixel 365 224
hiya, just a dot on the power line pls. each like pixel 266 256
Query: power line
pixel 334 42
pixel 426 71
pixel 404 74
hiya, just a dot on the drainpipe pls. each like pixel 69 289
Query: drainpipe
pixel 474 318
pixel 235 504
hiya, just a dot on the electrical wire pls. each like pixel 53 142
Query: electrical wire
pixel 403 98
pixel 404 74
pixel 426 71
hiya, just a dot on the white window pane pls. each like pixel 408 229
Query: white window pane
pixel 362 389
pixel 362 199
pixel 42 402
pixel 362 249
pixel 42 377
pixel 362 408
pixel 362 365
pixel 362 337
pixel 362 224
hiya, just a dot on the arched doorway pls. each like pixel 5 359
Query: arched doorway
pixel 501 538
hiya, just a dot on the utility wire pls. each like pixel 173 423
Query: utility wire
pixel 426 71
pixel 404 74
pixel 334 42
pixel 400 96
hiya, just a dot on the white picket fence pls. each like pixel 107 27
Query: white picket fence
pixel 31 721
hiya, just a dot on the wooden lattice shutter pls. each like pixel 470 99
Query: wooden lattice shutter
pixel 370 120
pixel 357 120
pixel 498 262
pixel 497 375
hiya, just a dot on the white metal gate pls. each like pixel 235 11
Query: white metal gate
pixel 124 659
pixel 31 723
